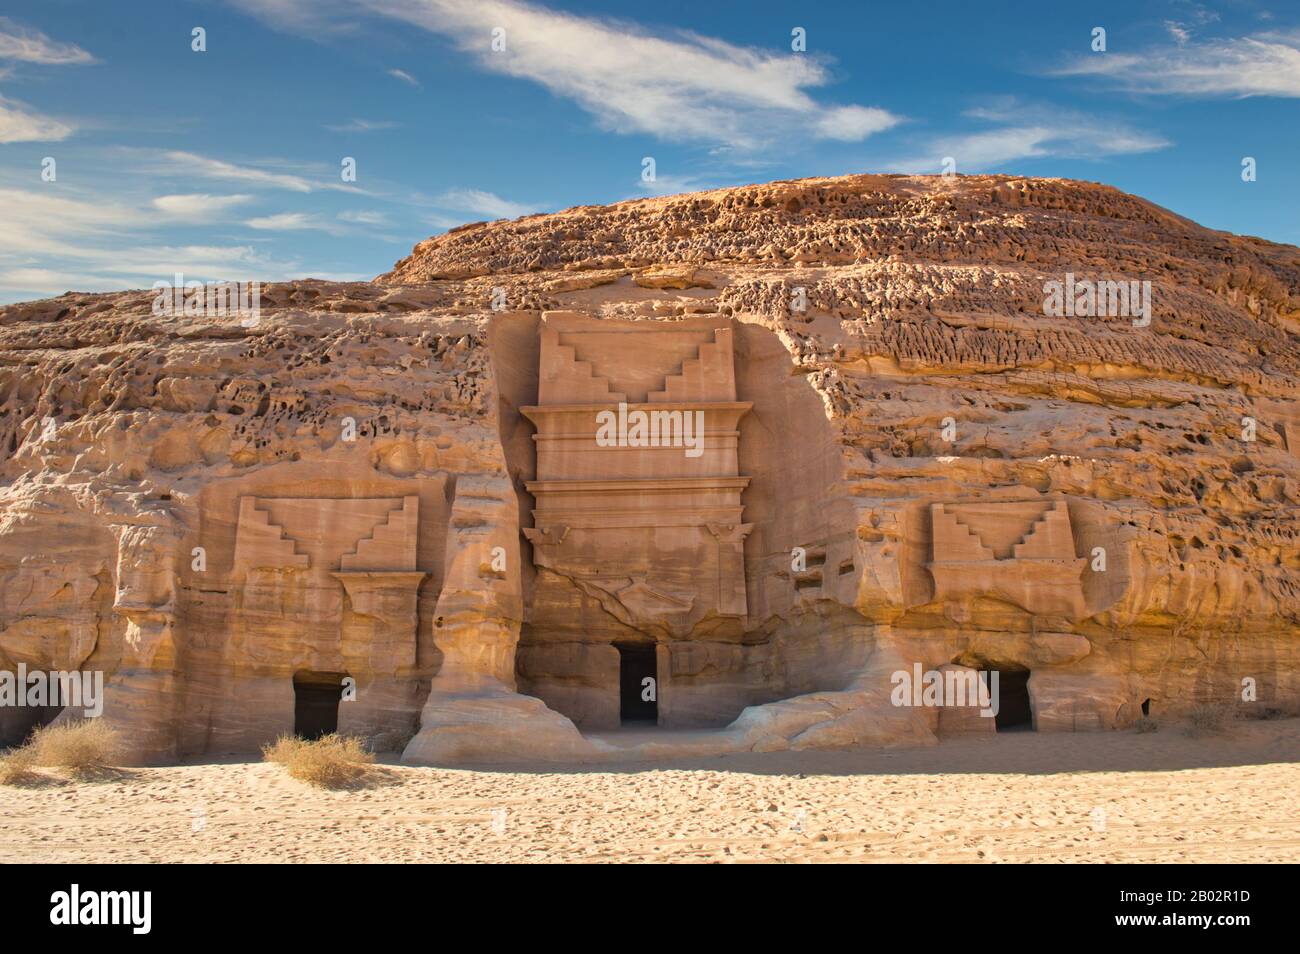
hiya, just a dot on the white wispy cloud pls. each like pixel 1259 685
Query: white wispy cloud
pixel 139 266
pixel 202 262
pixel 1178 31
pixel 317 19
pixel 677 86
pixel 479 202
pixel 1264 64
pixel 360 126
pixel 188 163
pixel 18 44
pixel 194 166
pixel 49 222
pixel 404 76
pixel 290 222
pixel 1028 133
pixel 198 205
pixel 18 123
pixel 345 223
pixel 26 45
pixel 364 218
pixel 851 123
pixel 57 238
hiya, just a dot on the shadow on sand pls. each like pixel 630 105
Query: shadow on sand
pixel 1171 749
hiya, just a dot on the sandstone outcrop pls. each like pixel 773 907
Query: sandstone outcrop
pixel 764 447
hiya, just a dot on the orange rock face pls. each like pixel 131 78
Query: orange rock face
pixel 729 462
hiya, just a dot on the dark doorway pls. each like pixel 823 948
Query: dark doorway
pixel 316 698
pixel 638 678
pixel 1014 713
pixel 18 723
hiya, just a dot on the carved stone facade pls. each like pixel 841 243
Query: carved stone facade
pixel 1020 552
pixel 341 572
pixel 638 529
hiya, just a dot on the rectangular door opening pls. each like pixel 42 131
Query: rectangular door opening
pixel 638 684
pixel 316 698
pixel 1014 711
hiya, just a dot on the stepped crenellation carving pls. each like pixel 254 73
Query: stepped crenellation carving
pixel 1039 570
pixel 637 538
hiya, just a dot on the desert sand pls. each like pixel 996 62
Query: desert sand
pixel 1016 797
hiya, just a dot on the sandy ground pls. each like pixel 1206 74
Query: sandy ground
pixel 1117 797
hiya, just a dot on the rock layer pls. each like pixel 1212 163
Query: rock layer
pixel 905 458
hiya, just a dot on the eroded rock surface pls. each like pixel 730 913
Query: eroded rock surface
pixel 903 461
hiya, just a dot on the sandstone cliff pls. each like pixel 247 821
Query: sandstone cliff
pixel 904 461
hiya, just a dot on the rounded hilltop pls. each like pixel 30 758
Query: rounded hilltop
pixel 846 220
pixel 911 264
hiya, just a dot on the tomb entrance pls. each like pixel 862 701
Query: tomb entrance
pixel 637 533
pixel 638 684
pixel 1014 711
pixel 316 697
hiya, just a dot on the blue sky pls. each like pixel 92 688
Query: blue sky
pixel 225 164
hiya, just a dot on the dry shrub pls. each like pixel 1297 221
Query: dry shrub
pixel 332 761
pixel 1207 718
pixel 16 767
pixel 81 748
pixel 1147 724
